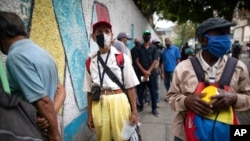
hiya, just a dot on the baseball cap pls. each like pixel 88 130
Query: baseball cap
pixel 95 25
pixel 123 35
pixel 213 23
pixel 155 41
pixel 146 32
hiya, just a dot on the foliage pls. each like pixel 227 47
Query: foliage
pixel 185 32
pixel 191 10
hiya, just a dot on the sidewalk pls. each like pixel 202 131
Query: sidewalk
pixel 157 128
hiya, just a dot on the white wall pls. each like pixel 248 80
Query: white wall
pixel 63 28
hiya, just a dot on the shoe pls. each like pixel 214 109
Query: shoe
pixel 139 110
pixel 147 104
pixel 155 113
pixel 157 105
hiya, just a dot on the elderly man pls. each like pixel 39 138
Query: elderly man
pixel 124 37
pixel 169 59
pixel 183 95
pixel 32 73
pixel 112 107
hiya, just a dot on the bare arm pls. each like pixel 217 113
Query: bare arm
pixel 45 108
pixel 153 65
pixel 132 99
pixel 90 123
pixel 59 97
pixel 139 65
pixel 145 72
pixel 162 71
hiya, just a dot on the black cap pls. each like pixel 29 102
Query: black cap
pixel 212 23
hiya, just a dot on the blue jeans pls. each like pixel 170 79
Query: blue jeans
pixel 152 86
pixel 147 95
pixel 168 76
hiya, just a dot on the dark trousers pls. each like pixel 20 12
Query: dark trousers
pixel 152 86
pixel 168 79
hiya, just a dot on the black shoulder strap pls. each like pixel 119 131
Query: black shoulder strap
pixel 198 69
pixel 228 71
pixel 111 74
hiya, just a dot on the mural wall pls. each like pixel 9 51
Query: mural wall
pixel 63 28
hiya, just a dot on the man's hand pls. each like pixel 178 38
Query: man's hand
pixel 223 100
pixel 90 124
pixel 162 76
pixel 197 105
pixel 146 73
pixel 42 123
pixel 133 118
pixel 59 97
pixel 45 108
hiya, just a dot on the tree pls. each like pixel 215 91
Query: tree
pixel 191 10
pixel 184 32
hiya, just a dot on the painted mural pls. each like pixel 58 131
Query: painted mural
pixel 59 27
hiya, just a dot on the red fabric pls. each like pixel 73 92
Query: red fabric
pixel 87 63
pixel 119 59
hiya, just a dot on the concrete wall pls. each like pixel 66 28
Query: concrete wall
pixel 242 32
pixel 63 28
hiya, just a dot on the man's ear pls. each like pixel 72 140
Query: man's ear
pixel 203 40
pixel 93 37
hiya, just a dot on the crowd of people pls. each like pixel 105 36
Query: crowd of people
pixel 120 80
pixel 150 61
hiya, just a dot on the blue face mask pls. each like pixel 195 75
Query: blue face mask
pixel 218 45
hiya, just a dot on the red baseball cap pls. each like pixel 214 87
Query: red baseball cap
pixel 95 25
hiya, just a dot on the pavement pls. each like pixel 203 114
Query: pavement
pixel 159 128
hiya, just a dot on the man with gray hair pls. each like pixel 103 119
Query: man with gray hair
pixel 124 37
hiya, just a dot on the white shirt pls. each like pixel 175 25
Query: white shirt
pixel 130 79
pixel 211 70
pixel 129 54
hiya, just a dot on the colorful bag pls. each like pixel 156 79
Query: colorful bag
pixel 198 128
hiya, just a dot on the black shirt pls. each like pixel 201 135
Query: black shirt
pixel 147 56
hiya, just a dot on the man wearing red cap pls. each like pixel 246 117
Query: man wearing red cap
pixel 112 107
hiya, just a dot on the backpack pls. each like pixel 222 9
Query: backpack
pixel 18 117
pixel 198 128
pixel 120 63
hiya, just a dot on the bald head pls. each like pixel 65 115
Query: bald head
pixel 168 41
pixel 136 40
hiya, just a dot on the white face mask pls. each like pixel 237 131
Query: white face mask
pixel 103 40
pixel 107 40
